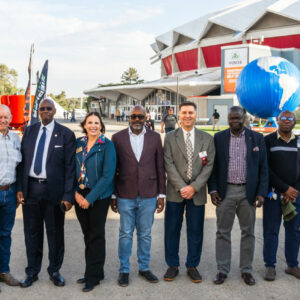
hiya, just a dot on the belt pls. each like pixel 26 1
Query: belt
pixel 38 180
pixel 238 184
pixel 5 187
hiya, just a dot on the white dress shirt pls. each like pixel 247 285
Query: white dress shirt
pixel 49 131
pixel 192 137
pixel 137 142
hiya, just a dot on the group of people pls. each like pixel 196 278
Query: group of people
pixel 50 170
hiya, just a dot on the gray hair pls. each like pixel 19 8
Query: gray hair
pixel 138 107
pixel 49 100
pixel 5 107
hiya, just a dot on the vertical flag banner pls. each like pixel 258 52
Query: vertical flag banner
pixel 27 107
pixel 40 93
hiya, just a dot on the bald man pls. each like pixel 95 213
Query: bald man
pixel 10 157
pixel 284 170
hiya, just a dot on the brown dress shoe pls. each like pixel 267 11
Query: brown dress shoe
pixel 9 279
pixel 248 278
pixel 295 271
pixel 194 275
pixel 220 278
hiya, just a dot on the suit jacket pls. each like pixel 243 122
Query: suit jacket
pixel 176 163
pixel 60 163
pixel 257 165
pixel 145 178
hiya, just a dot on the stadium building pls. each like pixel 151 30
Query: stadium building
pixel 201 60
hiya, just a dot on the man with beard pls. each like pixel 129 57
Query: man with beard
pixel 283 158
pixel 140 190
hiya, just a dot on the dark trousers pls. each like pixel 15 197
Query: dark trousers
pixel 92 222
pixel 7 220
pixel 272 216
pixel 194 229
pixel 169 130
pixel 37 210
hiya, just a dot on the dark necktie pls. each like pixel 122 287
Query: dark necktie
pixel 39 153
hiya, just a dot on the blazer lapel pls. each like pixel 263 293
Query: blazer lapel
pixel 34 136
pixel 226 146
pixel 248 140
pixel 146 141
pixel 55 135
pixel 180 142
pixel 127 144
pixel 198 144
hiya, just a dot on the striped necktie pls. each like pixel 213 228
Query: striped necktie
pixel 190 155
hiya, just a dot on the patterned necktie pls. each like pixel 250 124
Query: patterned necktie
pixel 190 155
pixel 39 153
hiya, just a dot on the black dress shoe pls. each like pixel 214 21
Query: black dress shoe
pixel 57 279
pixel 88 287
pixel 123 279
pixel 149 276
pixel 220 278
pixel 194 275
pixel 171 273
pixel 28 281
pixel 248 278
pixel 81 280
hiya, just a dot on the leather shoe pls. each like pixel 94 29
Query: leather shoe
pixel 9 279
pixel 81 280
pixel 171 273
pixel 149 276
pixel 123 279
pixel 88 287
pixel 57 279
pixel 220 278
pixel 194 275
pixel 28 281
pixel 248 278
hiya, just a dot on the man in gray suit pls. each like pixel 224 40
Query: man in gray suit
pixel 188 157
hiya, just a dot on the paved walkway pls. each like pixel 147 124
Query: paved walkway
pixel 285 287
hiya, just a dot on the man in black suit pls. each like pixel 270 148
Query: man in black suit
pixel 46 190
pixel 238 184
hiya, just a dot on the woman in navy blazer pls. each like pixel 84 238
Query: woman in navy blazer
pixel 95 169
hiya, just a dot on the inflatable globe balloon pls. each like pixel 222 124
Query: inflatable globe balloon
pixel 268 86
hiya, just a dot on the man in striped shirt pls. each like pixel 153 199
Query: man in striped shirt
pixel 10 156
pixel 284 168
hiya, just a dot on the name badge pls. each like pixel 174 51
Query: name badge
pixel 203 154
pixel 79 150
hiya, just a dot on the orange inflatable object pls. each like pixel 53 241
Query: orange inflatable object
pixel 16 103
pixel 264 129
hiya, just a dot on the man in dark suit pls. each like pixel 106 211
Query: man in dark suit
pixel 140 190
pixel 46 190
pixel 189 156
pixel 238 184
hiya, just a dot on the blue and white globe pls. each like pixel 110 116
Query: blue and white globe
pixel 268 86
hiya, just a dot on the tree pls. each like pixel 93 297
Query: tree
pixel 131 76
pixel 8 80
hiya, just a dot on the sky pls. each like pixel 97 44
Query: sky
pixel 92 41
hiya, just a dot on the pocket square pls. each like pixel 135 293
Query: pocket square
pixel 255 149
pixel 57 146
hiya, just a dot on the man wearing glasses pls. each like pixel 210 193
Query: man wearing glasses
pixel 46 190
pixel 283 158
pixel 140 190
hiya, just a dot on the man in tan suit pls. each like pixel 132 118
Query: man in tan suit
pixel 188 157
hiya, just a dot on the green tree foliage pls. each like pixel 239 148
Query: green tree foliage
pixel 8 80
pixel 131 76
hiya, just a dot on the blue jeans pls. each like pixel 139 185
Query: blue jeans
pixel 272 216
pixel 194 230
pixel 7 220
pixel 137 213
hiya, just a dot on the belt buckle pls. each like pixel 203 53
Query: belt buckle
pixel 41 180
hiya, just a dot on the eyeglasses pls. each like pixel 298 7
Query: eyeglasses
pixel 287 118
pixel 140 117
pixel 44 108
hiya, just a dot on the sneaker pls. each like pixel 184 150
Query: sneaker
pixel 9 279
pixel 295 271
pixel 270 274
pixel 194 275
pixel 171 273
pixel 149 276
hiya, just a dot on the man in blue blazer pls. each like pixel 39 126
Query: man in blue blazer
pixel 238 184
pixel 46 190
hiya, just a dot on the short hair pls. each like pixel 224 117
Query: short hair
pixel 3 106
pixel 188 103
pixel 286 111
pixel 49 100
pixel 141 107
pixel 92 113
pixel 236 109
